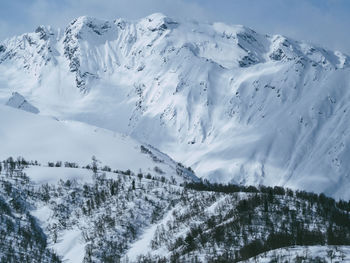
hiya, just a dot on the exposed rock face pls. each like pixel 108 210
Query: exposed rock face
pixel 19 102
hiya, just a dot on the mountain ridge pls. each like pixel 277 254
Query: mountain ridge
pixel 236 105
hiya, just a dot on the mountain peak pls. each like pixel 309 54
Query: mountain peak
pixel 81 20
pixel 44 32
pixel 84 25
pixel 158 21
pixel 158 17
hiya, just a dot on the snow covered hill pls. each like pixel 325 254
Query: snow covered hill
pixel 235 105
pixel 305 254
pixel 45 139
pixel 92 215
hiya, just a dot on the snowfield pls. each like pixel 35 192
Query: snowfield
pixel 45 139
pixel 311 253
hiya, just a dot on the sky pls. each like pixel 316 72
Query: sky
pixel 322 22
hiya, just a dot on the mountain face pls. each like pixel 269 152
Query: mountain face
pixel 235 105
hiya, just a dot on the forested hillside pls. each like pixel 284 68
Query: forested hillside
pixel 110 214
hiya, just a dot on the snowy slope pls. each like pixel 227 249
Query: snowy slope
pixel 48 140
pixel 235 105
pixel 107 216
pixel 308 253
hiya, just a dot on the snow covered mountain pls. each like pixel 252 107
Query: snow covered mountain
pixel 235 105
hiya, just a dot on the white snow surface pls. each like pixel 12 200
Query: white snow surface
pixel 70 244
pixel 294 254
pixel 235 105
pixel 143 245
pixel 51 175
pixel 45 139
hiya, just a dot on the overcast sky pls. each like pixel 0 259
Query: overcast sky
pixel 324 22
